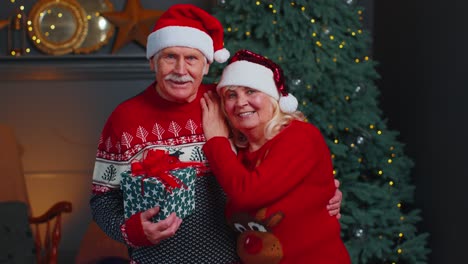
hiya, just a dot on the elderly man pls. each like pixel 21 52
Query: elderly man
pixel 167 116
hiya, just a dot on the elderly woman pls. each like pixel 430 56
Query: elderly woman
pixel 279 178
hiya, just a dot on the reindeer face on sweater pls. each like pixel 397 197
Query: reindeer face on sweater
pixel 256 243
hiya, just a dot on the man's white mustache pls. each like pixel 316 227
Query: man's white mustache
pixel 178 78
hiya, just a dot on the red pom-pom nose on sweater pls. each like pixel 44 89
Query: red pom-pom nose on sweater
pixel 253 244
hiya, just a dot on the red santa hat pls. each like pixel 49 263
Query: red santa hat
pixel 249 69
pixel 188 26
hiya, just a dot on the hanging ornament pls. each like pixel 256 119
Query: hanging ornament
pixel 222 3
pixel 357 144
pixel 359 233
pixel 326 30
pixel 360 90
pixel 350 2
pixel 360 140
pixel 295 84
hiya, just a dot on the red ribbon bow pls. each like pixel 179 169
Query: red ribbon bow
pixel 157 163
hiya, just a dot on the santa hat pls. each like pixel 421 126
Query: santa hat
pixel 257 72
pixel 188 26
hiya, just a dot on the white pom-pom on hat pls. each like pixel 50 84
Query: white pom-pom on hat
pixel 288 104
pixel 221 55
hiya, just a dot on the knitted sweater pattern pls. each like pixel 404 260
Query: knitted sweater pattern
pixel 277 197
pixel 144 122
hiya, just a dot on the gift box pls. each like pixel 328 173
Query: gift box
pixel 159 181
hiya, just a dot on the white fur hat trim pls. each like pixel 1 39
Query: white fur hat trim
pixel 173 36
pixel 249 74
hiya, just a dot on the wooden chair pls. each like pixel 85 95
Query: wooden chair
pixel 46 228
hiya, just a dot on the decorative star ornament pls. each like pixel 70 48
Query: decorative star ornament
pixel 3 23
pixel 134 23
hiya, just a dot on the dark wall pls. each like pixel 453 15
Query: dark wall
pixel 421 47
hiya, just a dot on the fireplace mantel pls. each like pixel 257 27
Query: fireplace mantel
pixel 55 68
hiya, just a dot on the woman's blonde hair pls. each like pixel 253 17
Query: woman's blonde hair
pixel 279 121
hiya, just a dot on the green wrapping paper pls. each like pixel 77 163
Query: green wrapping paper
pixel 143 192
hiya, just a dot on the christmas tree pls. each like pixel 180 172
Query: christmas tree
pixel 324 52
